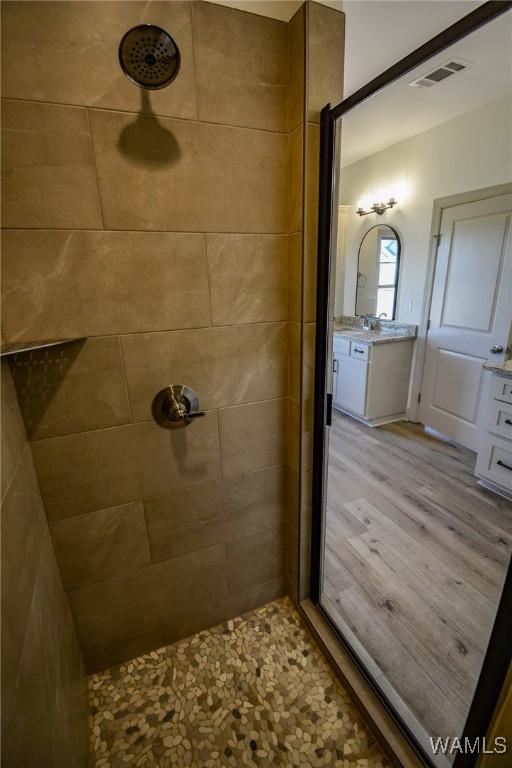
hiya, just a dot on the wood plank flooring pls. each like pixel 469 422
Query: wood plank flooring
pixel 416 554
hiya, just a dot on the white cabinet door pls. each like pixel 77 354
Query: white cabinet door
pixel 351 385
pixel 470 314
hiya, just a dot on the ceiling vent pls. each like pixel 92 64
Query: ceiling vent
pixel 441 73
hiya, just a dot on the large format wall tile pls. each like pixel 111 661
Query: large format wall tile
pixel 325 58
pixel 129 647
pixel 85 545
pixel 34 709
pixel 198 517
pixel 189 582
pixel 108 467
pixel 112 610
pixel 311 222
pixel 187 176
pixel 44 696
pixel 256 558
pixel 71 387
pixel 71 284
pixel 305 523
pixel 294 360
pixel 23 529
pixel 248 278
pixel 67 53
pixel 292 533
pixel 295 277
pixel 252 436
pixel 48 177
pixel 308 361
pixel 294 433
pixel 296 68
pixel 296 186
pixel 185 625
pixel 233 605
pixel 241 67
pixel 13 433
pixel 225 366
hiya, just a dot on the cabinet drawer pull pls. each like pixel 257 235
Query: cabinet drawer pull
pixel 509 422
pixel 359 351
pixel 501 463
pixel 335 367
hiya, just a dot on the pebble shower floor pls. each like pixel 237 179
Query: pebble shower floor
pixel 254 691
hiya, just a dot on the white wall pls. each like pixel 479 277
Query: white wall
pixel 471 151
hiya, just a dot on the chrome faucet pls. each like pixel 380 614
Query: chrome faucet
pixel 367 323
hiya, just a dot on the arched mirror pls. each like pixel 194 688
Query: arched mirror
pixel 378 269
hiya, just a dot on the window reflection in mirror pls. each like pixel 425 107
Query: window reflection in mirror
pixel 377 272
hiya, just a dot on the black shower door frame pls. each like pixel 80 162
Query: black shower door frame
pixel 499 653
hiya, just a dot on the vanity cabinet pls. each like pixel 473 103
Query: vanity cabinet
pixel 494 460
pixel 351 379
pixel 371 381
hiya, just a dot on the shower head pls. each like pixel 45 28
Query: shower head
pixel 149 57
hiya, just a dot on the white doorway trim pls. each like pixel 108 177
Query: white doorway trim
pixel 420 350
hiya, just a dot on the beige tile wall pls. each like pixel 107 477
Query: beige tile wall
pixel 44 692
pixel 318 51
pixel 154 228
pixel 325 55
pixel 297 65
pixel 166 231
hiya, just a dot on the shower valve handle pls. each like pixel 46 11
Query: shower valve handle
pixel 176 406
pixel 194 415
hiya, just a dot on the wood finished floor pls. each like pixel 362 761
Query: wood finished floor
pixel 415 560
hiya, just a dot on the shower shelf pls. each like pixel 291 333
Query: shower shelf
pixel 27 346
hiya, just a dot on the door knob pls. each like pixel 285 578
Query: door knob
pixel 175 407
pixel 496 350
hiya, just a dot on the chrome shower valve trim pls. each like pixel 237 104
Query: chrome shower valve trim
pixel 175 407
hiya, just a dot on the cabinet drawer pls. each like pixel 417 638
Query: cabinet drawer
pixel 359 351
pixel 499 419
pixel 501 388
pixel 495 461
pixel 341 347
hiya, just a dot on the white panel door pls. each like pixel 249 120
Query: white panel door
pixel 470 314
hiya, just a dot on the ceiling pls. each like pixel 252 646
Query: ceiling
pixel 282 10
pixel 400 111
pixel 380 32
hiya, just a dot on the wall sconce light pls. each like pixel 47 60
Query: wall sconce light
pixel 377 208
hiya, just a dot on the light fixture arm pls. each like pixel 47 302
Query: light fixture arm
pixel 377 208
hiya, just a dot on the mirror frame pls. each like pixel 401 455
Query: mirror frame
pixel 397 274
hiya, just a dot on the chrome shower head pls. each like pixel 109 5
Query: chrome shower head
pixel 149 57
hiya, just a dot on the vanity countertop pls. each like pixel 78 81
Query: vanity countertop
pixel 375 336
pixel 504 369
